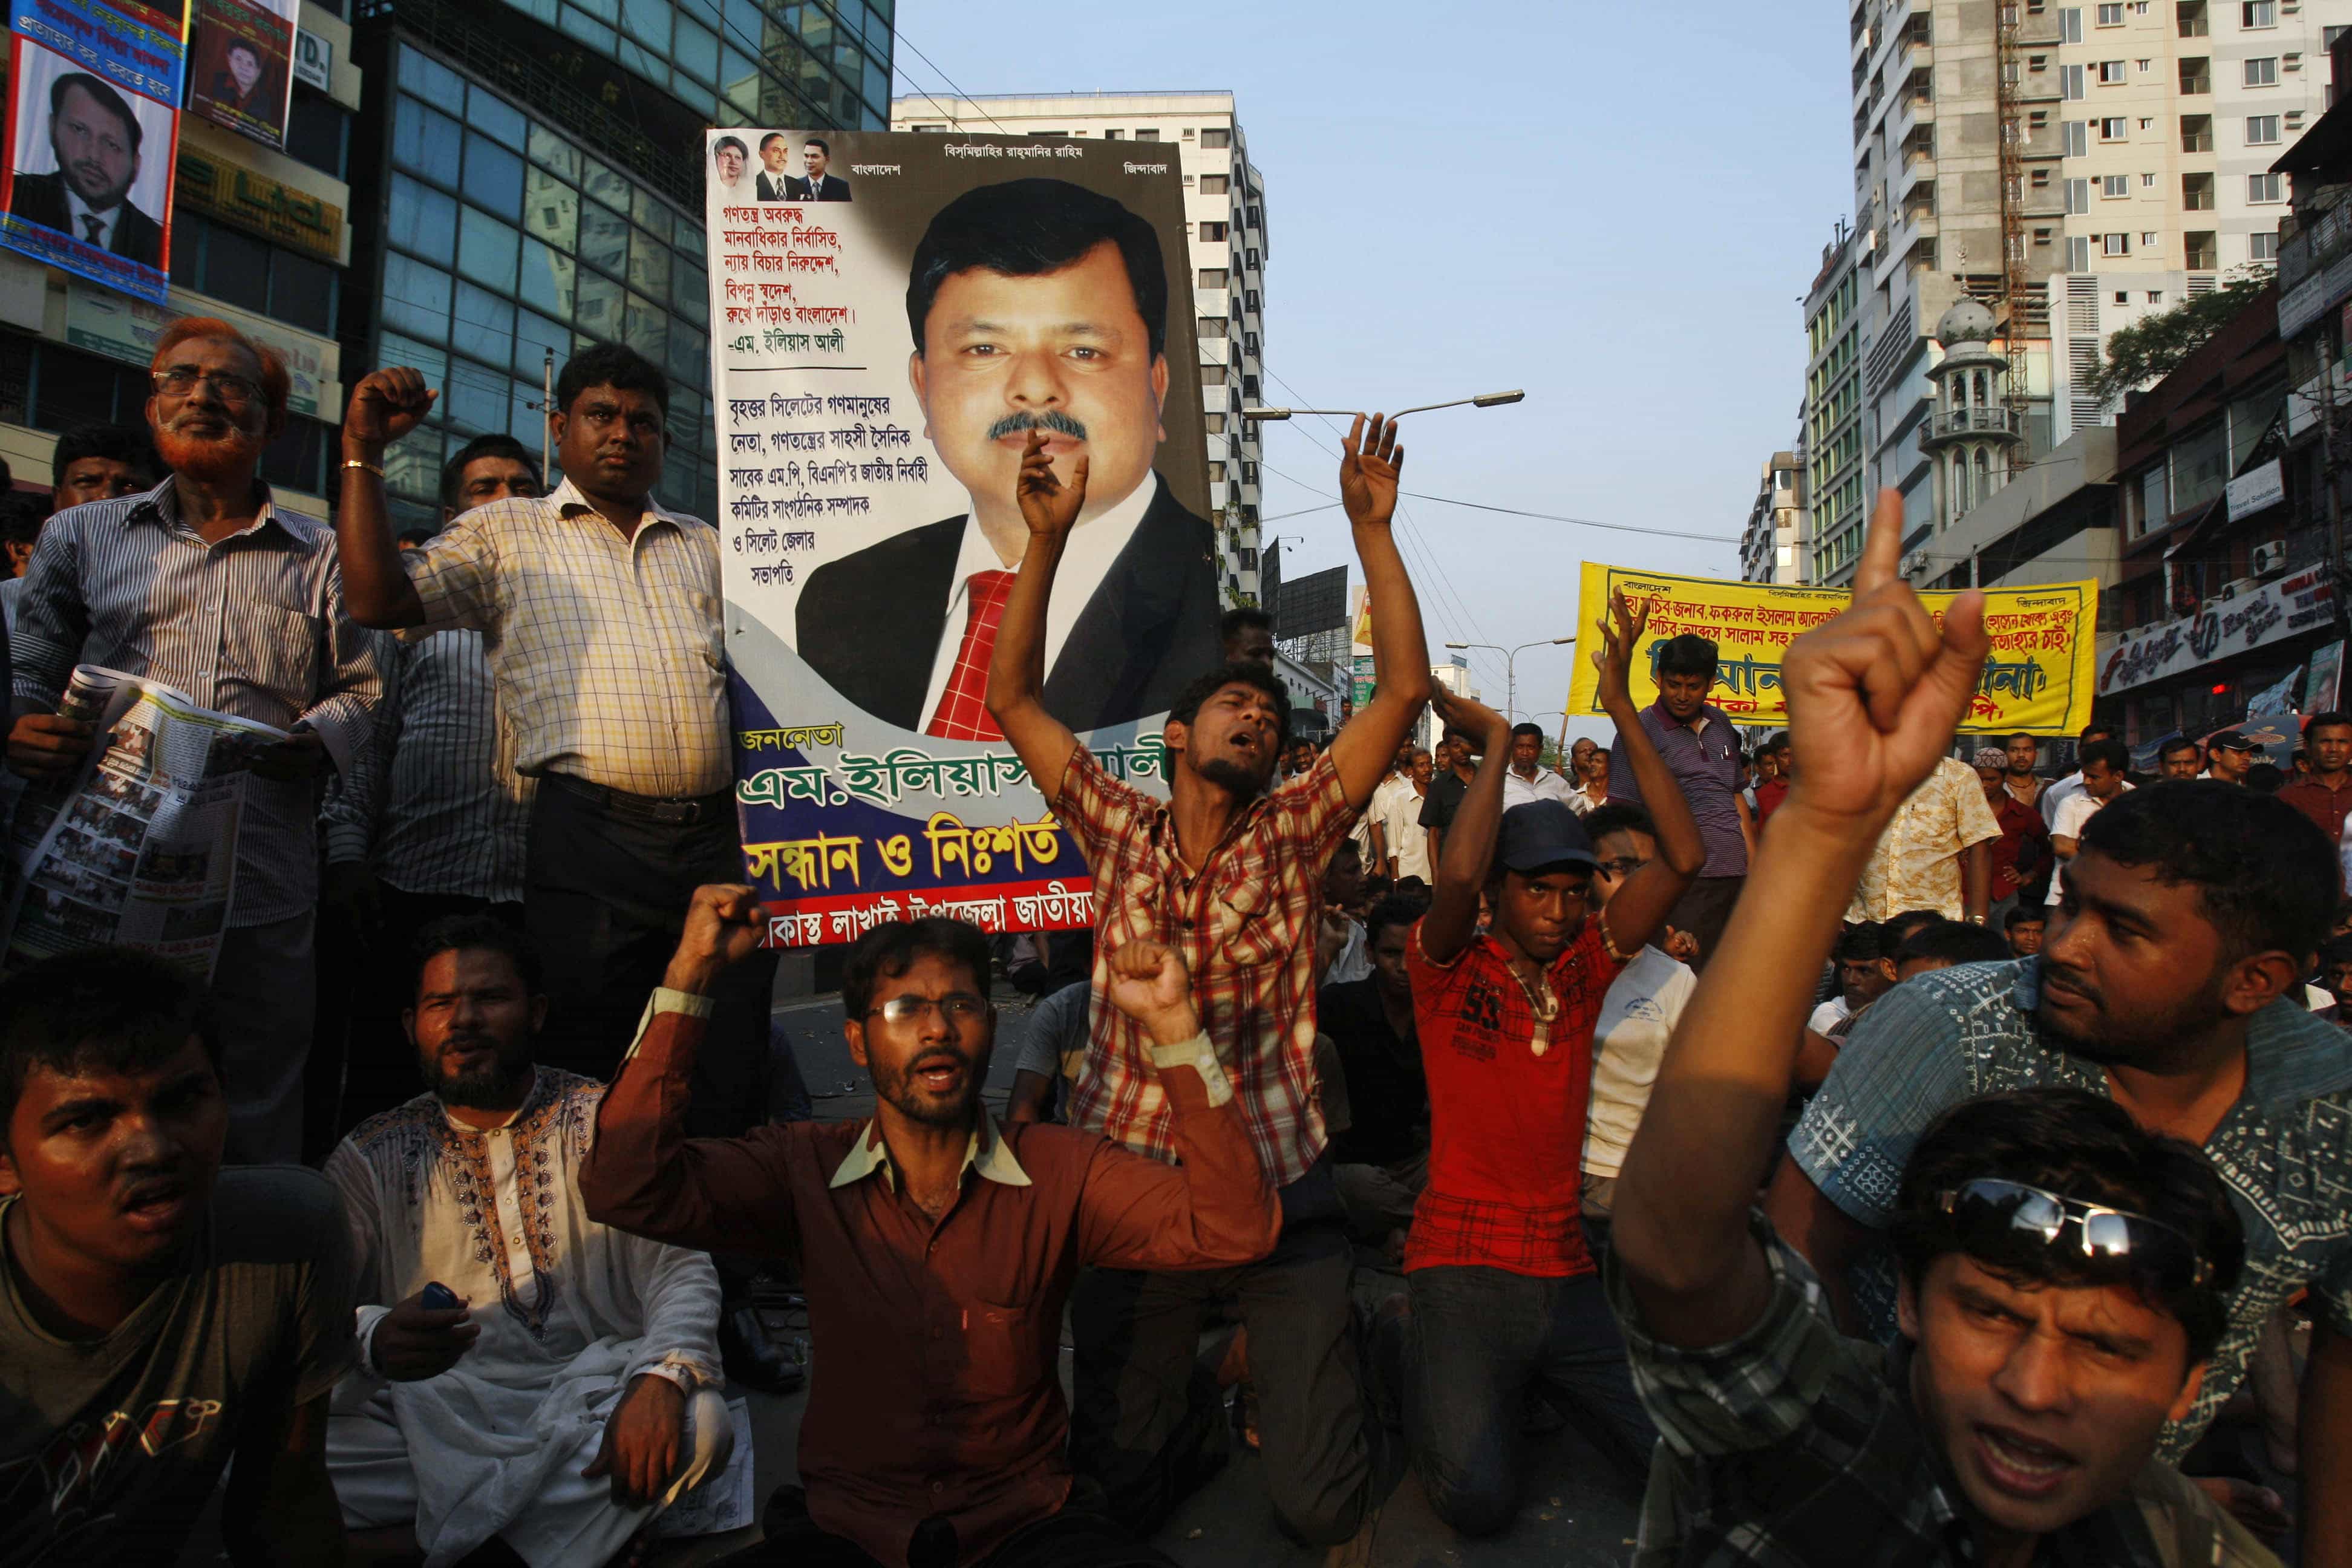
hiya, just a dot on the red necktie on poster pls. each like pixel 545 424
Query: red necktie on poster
pixel 963 712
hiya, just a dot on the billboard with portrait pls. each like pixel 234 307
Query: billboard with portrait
pixel 891 316
pixel 92 136
pixel 241 65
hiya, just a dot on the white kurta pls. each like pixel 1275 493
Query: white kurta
pixel 570 1311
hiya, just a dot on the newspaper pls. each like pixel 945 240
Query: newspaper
pixel 139 847
pixel 723 1501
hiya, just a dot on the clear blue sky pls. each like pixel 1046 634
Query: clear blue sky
pixel 1632 199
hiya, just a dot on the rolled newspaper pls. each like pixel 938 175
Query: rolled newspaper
pixel 88 693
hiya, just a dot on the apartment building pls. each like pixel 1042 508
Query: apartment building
pixel 2073 168
pixel 1224 211
pixel 2175 111
pixel 1829 442
pixel 1771 545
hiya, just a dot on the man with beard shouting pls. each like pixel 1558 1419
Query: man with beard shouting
pixel 938 1245
pixel 204 584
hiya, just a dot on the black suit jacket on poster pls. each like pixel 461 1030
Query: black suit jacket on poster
pixel 870 624
pixel 778 189
pixel 833 188
pixel 41 199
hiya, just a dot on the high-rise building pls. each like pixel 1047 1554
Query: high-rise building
pixel 1830 440
pixel 466 189
pixel 1224 212
pixel 1773 543
pixel 2069 167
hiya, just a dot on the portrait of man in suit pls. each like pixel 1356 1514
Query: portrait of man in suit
pixel 775 185
pixel 816 186
pixel 1034 305
pixel 95 136
pixel 242 83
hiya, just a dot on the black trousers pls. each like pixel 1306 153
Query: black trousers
pixel 607 884
pixel 1147 1424
pixel 1703 910
pixel 380 1071
pixel 1082 1535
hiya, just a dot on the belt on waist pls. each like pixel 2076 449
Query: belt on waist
pixel 686 810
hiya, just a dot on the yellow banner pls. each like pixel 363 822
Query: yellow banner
pixel 2040 677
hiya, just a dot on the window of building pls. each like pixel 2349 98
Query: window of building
pixel 1145 133
pixel 1213 184
pixel 317 132
pixel 2069 82
pixel 2262 71
pixel 2112 186
pixel 1212 278
pixel 2261 130
pixel 2115 245
pixel 2069 25
pixel 2261 188
pixel 2148 181
pixel 2123 296
pixel 1213 374
pixel 2156 296
pixel 2148 240
pixel 2111 15
pixel 2261 246
pixel 1212 327
pixel 2258 14
pixel 2203 252
pixel 2115 128
pixel 1212 233
pixel 2037 120
pixel 2077 136
pixel 1217 136
pixel 2078 195
pixel 2040 179
pixel 2111 73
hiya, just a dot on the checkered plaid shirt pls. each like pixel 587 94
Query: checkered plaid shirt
pixel 1245 924
pixel 608 652
pixel 1791 1446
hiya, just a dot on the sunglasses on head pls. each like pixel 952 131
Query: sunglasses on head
pixel 1988 1208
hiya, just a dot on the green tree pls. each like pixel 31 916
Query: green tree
pixel 2152 346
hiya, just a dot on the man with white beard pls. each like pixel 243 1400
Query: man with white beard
pixel 204 584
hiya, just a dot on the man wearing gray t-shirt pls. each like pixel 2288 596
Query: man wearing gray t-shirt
pixel 159 1315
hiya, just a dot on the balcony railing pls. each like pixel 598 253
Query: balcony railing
pixel 1955 422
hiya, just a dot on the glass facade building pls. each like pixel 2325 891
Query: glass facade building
pixel 514 222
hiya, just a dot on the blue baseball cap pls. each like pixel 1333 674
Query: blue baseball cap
pixel 1540 835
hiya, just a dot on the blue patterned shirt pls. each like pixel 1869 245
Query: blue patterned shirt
pixel 2283 1150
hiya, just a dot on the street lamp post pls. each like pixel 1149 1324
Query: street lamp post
pixel 1484 400
pixel 1510 666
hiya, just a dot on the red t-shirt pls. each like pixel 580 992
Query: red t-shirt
pixel 1768 796
pixel 1510 1076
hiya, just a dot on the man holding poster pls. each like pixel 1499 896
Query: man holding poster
pixel 1232 876
pixel 1037 308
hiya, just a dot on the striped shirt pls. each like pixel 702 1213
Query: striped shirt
pixel 456 814
pixel 253 625
pixel 607 652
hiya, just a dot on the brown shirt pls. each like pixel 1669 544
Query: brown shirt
pixel 934 1388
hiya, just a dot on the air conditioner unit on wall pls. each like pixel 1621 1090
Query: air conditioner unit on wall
pixel 2242 585
pixel 2267 560
pixel 1915 563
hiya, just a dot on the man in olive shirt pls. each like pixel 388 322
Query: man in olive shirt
pixel 158 1316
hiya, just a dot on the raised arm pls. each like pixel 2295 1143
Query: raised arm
pixel 1873 696
pixel 1469 851
pixel 642 1175
pixel 385 405
pixel 1367 744
pixel 1017 672
pixel 1215 1207
pixel 1640 908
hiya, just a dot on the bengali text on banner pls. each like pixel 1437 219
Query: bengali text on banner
pixel 2039 678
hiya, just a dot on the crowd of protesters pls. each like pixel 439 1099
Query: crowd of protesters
pixel 1878 1156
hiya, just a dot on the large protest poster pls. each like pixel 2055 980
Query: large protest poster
pixel 93 134
pixel 2039 676
pixel 241 65
pixel 891 316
